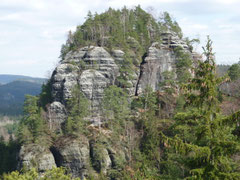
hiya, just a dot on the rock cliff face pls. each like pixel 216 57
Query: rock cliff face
pixel 94 69
pixel 34 155
pixel 157 61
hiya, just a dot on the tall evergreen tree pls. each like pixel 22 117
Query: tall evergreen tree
pixel 203 137
pixel 32 126
pixel 115 106
pixel 78 108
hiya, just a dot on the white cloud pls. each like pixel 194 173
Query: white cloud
pixel 32 31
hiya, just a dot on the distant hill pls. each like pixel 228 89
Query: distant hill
pixel 7 78
pixel 12 92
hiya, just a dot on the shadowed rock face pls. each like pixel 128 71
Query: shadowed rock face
pixel 157 61
pixel 78 155
pixel 73 154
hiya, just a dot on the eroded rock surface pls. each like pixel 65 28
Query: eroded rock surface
pixel 73 154
pixel 33 155
pixel 157 61
pixel 93 69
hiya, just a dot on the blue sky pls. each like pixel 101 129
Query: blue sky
pixel 32 31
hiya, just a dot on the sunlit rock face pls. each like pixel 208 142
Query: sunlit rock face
pixel 93 69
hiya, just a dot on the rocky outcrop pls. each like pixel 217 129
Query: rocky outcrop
pixel 56 116
pixel 93 69
pixel 172 40
pixel 73 154
pixel 79 155
pixel 157 61
pixel 33 155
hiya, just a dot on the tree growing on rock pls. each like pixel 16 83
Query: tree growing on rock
pixel 115 106
pixel 78 108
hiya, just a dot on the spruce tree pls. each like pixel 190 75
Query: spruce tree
pixel 204 138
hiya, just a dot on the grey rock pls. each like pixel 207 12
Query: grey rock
pixel 100 157
pixel 93 68
pixel 171 40
pixel 118 55
pixel 64 78
pixel 56 114
pixel 73 154
pixel 157 61
pixel 93 83
pixel 33 155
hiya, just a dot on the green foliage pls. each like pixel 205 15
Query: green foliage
pixel 126 71
pixel 190 43
pixel 168 83
pixel 147 157
pixel 12 128
pixel 53 174
pixel 78 108
pixel 183 64
pixel 45 96
pixel 115 107
pixel 234 72
pixel 8 151
pixel 132 29
pixel 32 127
pixel 204 144
pixel 167 23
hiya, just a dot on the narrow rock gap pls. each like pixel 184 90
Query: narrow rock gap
pixel 57 156
pixel 140 74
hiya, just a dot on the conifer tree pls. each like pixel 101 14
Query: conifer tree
pixel 205 143
pixel 78 108
pixel 234 72
pixel 115 106
pixel 32 126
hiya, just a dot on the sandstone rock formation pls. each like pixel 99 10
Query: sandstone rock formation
pixel 94 69
pixel 33 155
pixel 157 61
